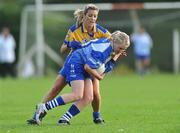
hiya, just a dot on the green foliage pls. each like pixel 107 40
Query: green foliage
pixel 130 104
pixel 57 24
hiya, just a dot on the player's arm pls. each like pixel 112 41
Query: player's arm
pixel 71 45
pixel 65 46
pixel 110 64
pixel 64 49
pixel 93 72
pixel 116 56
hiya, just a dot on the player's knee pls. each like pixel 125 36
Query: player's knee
pixel 88 99
pixel 78 96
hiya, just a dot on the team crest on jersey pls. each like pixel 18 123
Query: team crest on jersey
pixel 72 71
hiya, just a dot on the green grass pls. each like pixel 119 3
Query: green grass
pixel 130 104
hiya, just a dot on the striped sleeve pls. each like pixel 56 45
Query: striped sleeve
pixel 70 35
pixel 68 38
pixel 104 32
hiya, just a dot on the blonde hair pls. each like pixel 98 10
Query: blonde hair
pixel 79 13
pixel 120 37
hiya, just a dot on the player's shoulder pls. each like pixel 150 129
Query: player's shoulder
pixel 73 27
pixel 101 40
pixel 104 30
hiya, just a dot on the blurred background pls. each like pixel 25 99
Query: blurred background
pixel 32 22
pixel 35 30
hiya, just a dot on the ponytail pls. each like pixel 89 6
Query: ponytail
pixel 78 15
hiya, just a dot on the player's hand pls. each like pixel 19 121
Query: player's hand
pixel 124 53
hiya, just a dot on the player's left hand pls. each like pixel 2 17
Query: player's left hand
pixel 124 53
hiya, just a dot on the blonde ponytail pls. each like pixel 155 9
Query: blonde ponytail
pixel 78 15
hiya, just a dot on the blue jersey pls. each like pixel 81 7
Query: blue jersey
pixel 94 53
pixel 142 44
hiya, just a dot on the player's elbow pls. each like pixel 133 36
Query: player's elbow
pixel 63 49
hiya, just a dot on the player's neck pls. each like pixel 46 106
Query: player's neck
pixel 89 28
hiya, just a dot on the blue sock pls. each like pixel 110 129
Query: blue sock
pixel 54 103
pixel 73 110
pixel 96 115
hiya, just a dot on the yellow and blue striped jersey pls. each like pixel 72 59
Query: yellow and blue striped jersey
pixel 80 34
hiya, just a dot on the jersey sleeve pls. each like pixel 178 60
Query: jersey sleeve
pixel 109 66
pixel 106 34
pixel 93 63
pixel 103 32
pixel 93 59
pixel 68 38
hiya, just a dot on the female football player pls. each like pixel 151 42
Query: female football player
pixel 84 30
pixel 79 69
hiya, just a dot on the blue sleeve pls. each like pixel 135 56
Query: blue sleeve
pixel 94 64
pixel 74 45
pixel 109 66
pixel 94 60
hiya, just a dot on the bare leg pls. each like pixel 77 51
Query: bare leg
pixel 139 66
pixel 57 87
pixel 77 92
pixel 87 96
pixel 75 95
pixel 96 103
pixel 79 105
pixel 146 65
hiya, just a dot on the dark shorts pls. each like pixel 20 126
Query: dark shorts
pixel 142 57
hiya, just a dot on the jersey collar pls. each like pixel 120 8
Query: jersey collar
pixel 83 28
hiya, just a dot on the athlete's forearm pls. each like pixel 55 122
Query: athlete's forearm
pixel 93 72
pixel 115 58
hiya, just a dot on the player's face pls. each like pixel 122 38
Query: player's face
pixel 90 18
pixel 5 32
pixel 119 48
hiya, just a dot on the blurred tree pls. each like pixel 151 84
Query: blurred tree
pixel 10 10
pixel 104 1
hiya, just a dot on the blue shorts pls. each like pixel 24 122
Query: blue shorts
pixel 62 72
pixel 142 57
pixel 73 71
pixel 73 68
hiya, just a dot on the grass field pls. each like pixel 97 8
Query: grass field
pixel 130 104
